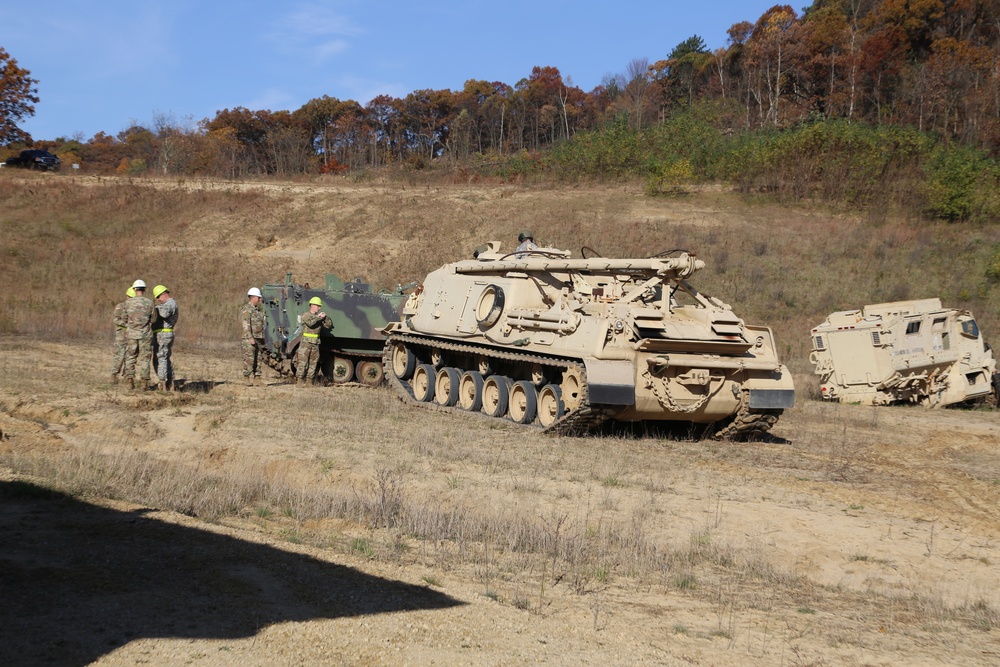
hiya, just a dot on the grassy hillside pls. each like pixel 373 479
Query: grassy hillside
pixel 71 246
pixel 852 532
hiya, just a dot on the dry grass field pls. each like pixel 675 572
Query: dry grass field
pixel 225 524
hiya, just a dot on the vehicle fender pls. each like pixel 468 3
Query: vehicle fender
pixel 610 382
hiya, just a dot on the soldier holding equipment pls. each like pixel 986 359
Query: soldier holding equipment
pixel 313 322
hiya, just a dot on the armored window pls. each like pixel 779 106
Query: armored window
pixel 913 327
pixel 818 342
pixel 876 338
pixel 970 328
pixel 938 324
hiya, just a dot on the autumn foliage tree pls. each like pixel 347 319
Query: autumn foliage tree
pixel 18 97
pixel 924 64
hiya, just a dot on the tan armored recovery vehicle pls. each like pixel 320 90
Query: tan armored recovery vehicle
pixel 542 338
pixel 903 352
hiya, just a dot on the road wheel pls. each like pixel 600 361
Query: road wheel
pixel 470 391
pixel 446 386
pixel 403 361
pixel 423 383
pixel 495 396
pixel 550 405
pixel 343 370
pixel 370 373
pixel 523 402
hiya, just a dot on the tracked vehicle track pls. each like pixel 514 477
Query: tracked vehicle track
pixel 578 420
pixel 744 424
pixel 747 423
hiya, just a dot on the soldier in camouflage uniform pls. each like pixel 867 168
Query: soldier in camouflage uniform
pixel 139 313
pixel 121 324
pixel 252 342
pixel 307 358
pixel 164 328
pixel 527 244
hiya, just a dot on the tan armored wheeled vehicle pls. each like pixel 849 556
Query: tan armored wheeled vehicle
pixel 542 338
pixel 903 352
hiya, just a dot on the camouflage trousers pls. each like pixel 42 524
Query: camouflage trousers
pixel 118 361
pixel 138 352
pixel 251 357
pixel 306 360
pixel 164 348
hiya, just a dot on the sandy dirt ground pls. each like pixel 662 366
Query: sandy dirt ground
pixel 856 536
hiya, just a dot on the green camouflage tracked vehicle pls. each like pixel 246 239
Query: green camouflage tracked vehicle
pixel 541 338
pixel 352 351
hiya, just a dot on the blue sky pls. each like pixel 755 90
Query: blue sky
pixel 104 64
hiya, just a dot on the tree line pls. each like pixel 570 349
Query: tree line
pixel 931 65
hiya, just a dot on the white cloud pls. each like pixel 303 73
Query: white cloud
pixel 315 32
pixel 320 20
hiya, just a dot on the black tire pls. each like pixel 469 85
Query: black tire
pixel 550 405
pixel 523 402
pixel 401 361
pixel 470 391
pixel 423 383
pixel 446 386
pixel 496 395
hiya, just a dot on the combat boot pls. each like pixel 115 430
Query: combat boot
pixel 258 381
pixel 248 381
pixel 131 384
pixel 114 379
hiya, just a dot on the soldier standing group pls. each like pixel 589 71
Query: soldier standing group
pixel 252 339
pixel 136 321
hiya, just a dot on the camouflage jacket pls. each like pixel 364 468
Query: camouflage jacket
pixel 139 313
pixel 523 249
pixel 252 321
pixel 166 316
pixel 312 323
pixel 120 321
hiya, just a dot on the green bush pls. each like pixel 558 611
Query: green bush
pixel 961 184
pixel 993 265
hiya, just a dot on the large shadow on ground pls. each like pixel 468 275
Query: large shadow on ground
pixel 78 581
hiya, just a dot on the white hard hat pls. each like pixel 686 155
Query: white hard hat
pixel 138 284
pixel 253 291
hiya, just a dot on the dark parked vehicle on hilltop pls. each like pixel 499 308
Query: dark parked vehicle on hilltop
pixel 35 159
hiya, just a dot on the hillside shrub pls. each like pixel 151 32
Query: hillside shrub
pixel 961 184
pixel 993 265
